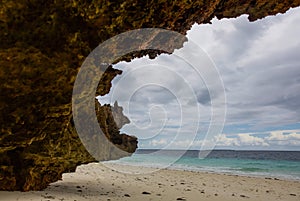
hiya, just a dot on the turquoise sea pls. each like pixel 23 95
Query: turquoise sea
pixel 274 164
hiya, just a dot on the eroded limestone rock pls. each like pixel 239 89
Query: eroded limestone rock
pixel 43 44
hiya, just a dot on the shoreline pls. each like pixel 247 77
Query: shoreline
pixel 96 181
pixel 227 173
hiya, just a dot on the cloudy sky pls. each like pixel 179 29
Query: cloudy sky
pixel 240 89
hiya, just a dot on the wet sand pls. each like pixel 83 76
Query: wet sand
pixel 95 182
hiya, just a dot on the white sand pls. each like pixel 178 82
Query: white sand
pixel 98 182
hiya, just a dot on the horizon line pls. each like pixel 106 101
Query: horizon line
pixel 154 149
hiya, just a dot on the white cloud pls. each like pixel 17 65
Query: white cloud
pixel 287 138
pixel 249 140
pixel 158 143
pixel 257 61
pixel 259 64
pixel 240 140
pixel 284 138
pixel 222 140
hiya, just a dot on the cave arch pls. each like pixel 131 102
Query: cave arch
pixel 43 44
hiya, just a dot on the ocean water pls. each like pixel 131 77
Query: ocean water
pixel 275 164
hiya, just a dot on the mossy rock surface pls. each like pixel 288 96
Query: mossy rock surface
pixel 42 46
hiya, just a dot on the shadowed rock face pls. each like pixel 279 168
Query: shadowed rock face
pixel 43 44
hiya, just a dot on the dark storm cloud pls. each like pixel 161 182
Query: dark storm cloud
pixel 259 63
pixel 203 97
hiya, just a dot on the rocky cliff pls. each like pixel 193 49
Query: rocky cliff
pixel 43 44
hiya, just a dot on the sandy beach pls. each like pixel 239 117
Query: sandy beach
pixel 102 182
